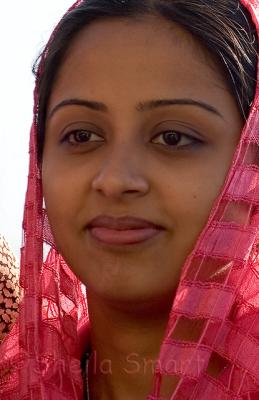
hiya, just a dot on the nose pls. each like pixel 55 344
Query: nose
pixel 120 175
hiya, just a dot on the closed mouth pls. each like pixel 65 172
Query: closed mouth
pixel 122 231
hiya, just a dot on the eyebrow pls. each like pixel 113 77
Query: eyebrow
pixel 146 106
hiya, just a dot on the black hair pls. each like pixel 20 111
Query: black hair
pixel 224 27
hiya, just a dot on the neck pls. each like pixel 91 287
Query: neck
pixel 125 346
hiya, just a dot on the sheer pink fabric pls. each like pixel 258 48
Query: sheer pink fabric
pixel 217 299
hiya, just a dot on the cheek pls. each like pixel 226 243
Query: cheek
pixel 63 191
pixel 190 198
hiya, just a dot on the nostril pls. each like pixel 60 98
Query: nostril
pixel 119 184
pixel 131 191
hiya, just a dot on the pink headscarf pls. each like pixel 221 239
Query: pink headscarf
pixel 218 291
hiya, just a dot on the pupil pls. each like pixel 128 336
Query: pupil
pixel 172 138
pixel 83 135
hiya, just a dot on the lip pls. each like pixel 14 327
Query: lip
pixel 122 231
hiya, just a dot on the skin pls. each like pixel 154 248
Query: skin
pixel 128 169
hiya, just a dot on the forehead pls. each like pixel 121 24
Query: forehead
pixel 136 57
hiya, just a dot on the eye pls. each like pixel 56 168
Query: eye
pixel 175 139
pixel 81 136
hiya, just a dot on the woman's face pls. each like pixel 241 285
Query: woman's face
pixel 158 147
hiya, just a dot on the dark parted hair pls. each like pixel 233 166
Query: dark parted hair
pixel 224 27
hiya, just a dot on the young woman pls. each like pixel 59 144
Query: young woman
pixel 144 148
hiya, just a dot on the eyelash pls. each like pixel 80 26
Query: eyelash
pixel 176 134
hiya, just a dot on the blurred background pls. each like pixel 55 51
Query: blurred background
pixel 24 29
